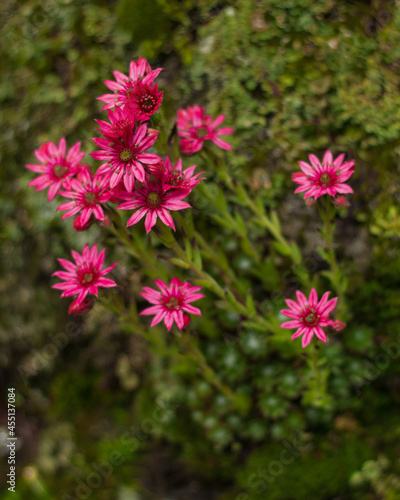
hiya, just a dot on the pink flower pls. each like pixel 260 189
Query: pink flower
pixel 125 156
pixel 87 195
pixel 174 178
pixel 153 200
pixel 120 120
pixel 308 316
pixel 85 276
pixel 56 166
pixel 138 92
pixel 171 302
pixel 144 100
pixel 196 127
pixel 327 177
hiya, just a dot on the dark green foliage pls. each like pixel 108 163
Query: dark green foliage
pixel 292 77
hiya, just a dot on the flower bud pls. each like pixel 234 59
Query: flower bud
pixel 77 309
pixel 106 222
pixel 341 201
pixel 78 226
pixel 310 202
pixel 186 320
pixel 339 325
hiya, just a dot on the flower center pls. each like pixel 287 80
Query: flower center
pixel 87 279
pixel 176 179
pixel 126 155
pixel 201 132
pixel 310 316
pixel 120 125
pixel 147 102
pixel 90 198
pixel 87 274
pixel 310 319
pixel 325 180
pixel 173 303
pixel 153 199
pixel 59 170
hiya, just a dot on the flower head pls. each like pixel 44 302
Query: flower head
pixel 327 177
pixel 56 166
pixel 195 127
pixel 120 120
pixel 125 156
pixel 309 315
pixel 175 178
pixel 137 92
pixel 153 200
pixel 87 196
pixel 144 100
pixel 172 302
pixel 85 276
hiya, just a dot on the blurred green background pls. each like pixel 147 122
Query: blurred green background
pixel 100 414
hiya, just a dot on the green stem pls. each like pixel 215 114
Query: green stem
pixel 226 272
pixel 271 223
pixel 135 247
pixel 187 341
pixel 327 212
pixel 166 236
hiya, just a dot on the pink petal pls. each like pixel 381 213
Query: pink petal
pixel 191 309
pixel 299 332
pixel 292 324
pixel 319 332
pixel 293 305
pixel 289 313
pixel 307 337
pixel 169 319
pixel 139 214
pixel 338 161
pixel 151 219
pixel 330 306
pixel 313 298
pixel 153 310
pixel 328 158
pixel 306 168
pixel 301 298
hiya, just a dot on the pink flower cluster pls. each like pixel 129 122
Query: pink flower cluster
pixel 134 177
pixel 131 175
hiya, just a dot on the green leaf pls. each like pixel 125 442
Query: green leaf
pixel 281 248
pixel 229 223
pixel 179 262
pixel 204 284
pixel 188 248
pixel 242 229
pixel 275 220
pixel 250 303
pixel 197 256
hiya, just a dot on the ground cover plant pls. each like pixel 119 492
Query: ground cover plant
pixel 224 241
